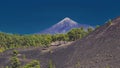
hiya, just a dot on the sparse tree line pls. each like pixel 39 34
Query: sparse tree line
pixel 10 41
pixel 16 63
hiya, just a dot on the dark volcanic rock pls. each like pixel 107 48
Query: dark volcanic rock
pixel 100 49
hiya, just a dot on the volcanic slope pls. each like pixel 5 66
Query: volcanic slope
pixel 100 49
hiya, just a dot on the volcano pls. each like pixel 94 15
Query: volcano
pixel 64 26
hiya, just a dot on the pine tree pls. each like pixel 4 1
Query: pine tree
pixel 15 63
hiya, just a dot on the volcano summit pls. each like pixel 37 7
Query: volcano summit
pixel 64 26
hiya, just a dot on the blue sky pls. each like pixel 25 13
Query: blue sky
pixel 32 16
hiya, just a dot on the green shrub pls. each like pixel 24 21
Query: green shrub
pixel 107 66
pixel 77 65
pixel 51 65
pixel 33 64
pixel 110 22
pixel 2 49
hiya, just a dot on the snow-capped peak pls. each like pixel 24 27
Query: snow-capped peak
pixel 67 20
